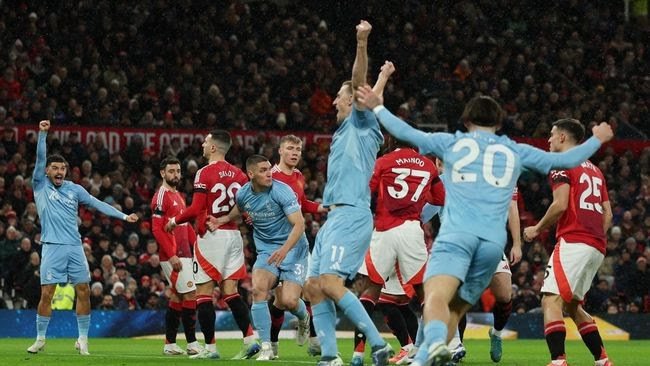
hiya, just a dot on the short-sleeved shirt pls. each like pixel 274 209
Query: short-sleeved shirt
pixel 403 181
pixel 353 153
pixel 269 210
pixel 582 222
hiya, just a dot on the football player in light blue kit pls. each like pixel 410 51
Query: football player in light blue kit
pixel 57 202
pixel 344 239
pixel 483 169
pixel 282 248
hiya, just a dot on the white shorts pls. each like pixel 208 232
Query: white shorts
pixel 571 269
pixel 403 245
pixel 218 256
pixel 393 285
pixel 182 282
pixel 504 266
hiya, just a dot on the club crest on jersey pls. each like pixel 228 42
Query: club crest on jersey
pixel 190 283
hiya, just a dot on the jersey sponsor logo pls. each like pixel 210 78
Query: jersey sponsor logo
pixel 68 201
pixel 555 174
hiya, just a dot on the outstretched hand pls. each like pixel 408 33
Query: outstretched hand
pixel 44 125
pixel 368 98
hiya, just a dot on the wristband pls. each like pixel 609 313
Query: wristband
pixel 378 109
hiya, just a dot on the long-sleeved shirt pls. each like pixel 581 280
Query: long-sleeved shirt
pixel 58 206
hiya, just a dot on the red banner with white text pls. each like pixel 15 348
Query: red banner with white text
pixel 116 139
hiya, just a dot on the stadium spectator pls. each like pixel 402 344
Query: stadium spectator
pixel 96 295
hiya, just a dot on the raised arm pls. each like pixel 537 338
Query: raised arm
pixel 38 177
pixel 427 143
pixel 546 161
pixel 360 67
pixel 387 69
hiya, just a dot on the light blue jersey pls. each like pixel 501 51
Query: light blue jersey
pixel 269 210
pixel 483 171
pixel 58 206
pixel 353 153
pixel 429 211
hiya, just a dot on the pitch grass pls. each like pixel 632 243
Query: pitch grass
pixel 125 351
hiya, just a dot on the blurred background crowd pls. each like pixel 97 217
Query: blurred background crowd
pixel 254 65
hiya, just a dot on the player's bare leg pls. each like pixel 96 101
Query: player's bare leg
pixel 589 332
pixel 206 316
pixel 43 315
pixel 288 298
pixel 263 281
pixel 82 291
pixel 240 311
pixel 501 286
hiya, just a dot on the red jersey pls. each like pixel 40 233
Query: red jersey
pixel 297 183
pixel 582 221
pixel 166 204
pixel 215 187
pixel 403 181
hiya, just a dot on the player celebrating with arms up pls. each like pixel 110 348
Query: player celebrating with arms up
pixel 342 242
pixel 483 170
pixel 57 202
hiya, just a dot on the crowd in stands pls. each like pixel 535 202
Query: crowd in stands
pixel 260 66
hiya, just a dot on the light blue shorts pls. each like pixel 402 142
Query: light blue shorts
pixel 294 266
pixel 467 257
pixel 63 264
pixel 341 243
